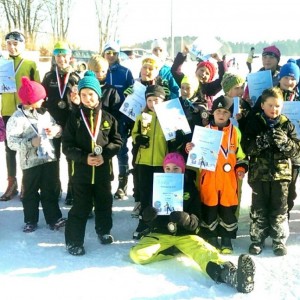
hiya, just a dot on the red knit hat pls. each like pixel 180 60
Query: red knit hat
pixel 211 68
pixel 31 91
pixel 175 158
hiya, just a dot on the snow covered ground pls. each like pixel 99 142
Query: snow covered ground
pixel 37 266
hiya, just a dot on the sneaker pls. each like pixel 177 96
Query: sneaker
pixel 279 248
pixel 256 248
pixel 226 246
pixel 214 242
pixel 75 250
pixel 106 239
pixel 245 274
pixel 136 210
pixel 61 222
pixel 29 227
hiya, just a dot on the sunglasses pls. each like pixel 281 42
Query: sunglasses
pixel 110 52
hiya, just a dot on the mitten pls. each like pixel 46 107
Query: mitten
pixel 264 141
pixel 281 140
pixel 183 219
pixel 128 91
pixel 142 140
pixel 149 214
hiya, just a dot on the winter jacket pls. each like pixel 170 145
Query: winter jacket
pixel 165 73
pixel 50 84
pixel 20 133
pixel 270 163
pixel 78 144
pixel 23 67
pixel 110 99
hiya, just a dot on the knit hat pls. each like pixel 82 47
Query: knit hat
pixel 211 68
pixel 155 91
pixel 231 80
pixel 112 46
pixel 61 48
pixel 223 102
pixel 290 69
pixel 273 51
pixel 159 43
pixel 91 82
pixel 174 158
pixel 15 36
pixel 192 81
pixel 30 91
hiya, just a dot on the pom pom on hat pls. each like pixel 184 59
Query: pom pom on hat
pixel 30 91
pixel 211 68
pixel 112 45
pixel 231 80
pixel 155 91
pixel 61 48
pixel 174 158
pixel 91 82
pixel 290 69
pixel 273 51
pixel 223 102
pixel 192 81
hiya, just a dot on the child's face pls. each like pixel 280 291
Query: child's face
pixel 89 98
pixel 172 168
pixel 236 91
pixel 100 73
pixel 63 60
pixel 221 116
pixel 272 107
pixel 37 104
pixel 186 91
pixel 203 74
pixel 148 72
pixel 15 48
pixel 287 83
pixel 153 100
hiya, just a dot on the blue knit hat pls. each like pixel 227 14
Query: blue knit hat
pixel 91 82
pixel 290 69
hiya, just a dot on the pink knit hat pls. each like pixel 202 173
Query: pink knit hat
pixel 175 158
pixel 31 91
pixel 272 50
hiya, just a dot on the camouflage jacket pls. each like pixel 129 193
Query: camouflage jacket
pixel 270 163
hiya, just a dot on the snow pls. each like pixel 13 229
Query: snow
pixel 37 266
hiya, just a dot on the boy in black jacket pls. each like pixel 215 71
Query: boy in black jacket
pixel 178 231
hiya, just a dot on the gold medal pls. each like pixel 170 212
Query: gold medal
pixel 62 104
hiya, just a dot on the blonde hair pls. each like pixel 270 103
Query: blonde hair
pixel 150 61
pixel 96 61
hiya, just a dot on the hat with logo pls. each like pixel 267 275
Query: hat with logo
pixel 31 91
pixel 174 158
pixel 223 102
pixel 112 45
pixel 15 36
pixel 231 80
pixel 155 91
pixel 290 69
pixel 61 47
pixel 90 81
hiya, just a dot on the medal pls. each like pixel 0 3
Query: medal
pixel 62 104
pixel 227 168
pixel 97 150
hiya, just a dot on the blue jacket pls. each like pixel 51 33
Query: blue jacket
pixel 165 73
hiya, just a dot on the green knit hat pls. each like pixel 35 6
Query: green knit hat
pixel 91 82
pixel 230 80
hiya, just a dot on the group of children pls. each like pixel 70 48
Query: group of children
pixel 87 121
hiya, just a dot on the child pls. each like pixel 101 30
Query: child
pixel 218 189
pixel 30 131
pixel 90 140
pixel 270 141
pixel 177 232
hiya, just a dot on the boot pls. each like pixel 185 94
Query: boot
pixel 226 246
pixel 12 189
pixel 240 277
pixel 121 192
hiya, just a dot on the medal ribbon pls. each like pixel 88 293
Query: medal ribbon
pixel 62 88
pixel 19 66
pixel 95 132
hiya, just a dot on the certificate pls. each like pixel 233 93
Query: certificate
pixel 291 109
pixel 207 143
pixel 204 46
pixel 236 109
pixel 7 76
pixel 257 83
pixel 135 103
pixel 171 117
pixel 167 192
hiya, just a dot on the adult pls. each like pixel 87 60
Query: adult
pixel 121 78
pixel 250 59
pixel 15 43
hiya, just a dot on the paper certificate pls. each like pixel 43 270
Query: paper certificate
pixel 236 109
pixel 207 143
pixel 291 109
pixel 171 117
pixel 203 46
pixel 257 83
pixel 135 103
pixel 7 76
pixel 167 192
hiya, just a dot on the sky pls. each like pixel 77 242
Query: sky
pixel 36 265
pixel 232 20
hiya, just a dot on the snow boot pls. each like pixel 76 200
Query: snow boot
pixel 256 248
pixel 226 246
pixel 279 248
pixel 121 192
pixel 106 239
pixel 12 189
pixel 240 277
pixel 75 250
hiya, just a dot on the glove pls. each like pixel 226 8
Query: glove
pixel 183 219
pixel 142 141
pixel 149 214
pixel 264 141
pixel 179 136
pixel 281 140
pixel 128 91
